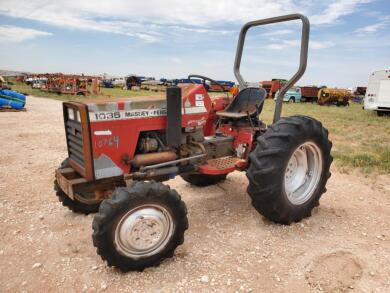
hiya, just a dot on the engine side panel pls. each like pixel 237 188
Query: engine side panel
pixel 116 126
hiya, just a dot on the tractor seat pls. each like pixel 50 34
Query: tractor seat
pixel 247 102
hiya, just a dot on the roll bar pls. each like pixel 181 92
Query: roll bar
pixel 302 59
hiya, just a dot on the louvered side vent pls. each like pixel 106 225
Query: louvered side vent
pixel 74 137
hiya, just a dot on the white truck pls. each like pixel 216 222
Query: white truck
pixel 378 92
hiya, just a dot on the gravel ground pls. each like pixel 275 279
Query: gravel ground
pixel 229 247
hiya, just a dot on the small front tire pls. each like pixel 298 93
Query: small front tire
pixel 139 226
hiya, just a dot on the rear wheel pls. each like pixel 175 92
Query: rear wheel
pixel 139 226
pixel 202 180
pixel 291 100
pixel 289 169
pixel 84 202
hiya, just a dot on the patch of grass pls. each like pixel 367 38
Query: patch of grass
pixel 368 162
pixel 360 138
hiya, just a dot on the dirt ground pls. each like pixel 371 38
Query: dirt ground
pixel 229 247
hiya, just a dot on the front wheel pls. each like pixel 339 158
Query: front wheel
pixel 289 169
pixel 139 226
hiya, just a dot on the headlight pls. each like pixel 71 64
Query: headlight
pixel 70 114
pixel 73 114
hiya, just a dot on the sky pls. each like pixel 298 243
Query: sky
pixel 349 39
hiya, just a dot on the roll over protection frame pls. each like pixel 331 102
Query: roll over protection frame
pixel 302 59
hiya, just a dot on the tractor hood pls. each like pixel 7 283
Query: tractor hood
pixel 194 100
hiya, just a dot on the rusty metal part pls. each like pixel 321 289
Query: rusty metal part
pixel 201 156
pixel 71 182
pixel 148 145
pixel 153 158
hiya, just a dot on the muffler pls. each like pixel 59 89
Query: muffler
pixel 153 158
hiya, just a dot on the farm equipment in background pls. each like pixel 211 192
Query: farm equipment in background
pixel 272 86
pixel 153 85
pixel 333 96
pixel 359 91
pixel 119 152
pixel 74 85
pixel 216 87
pixel 4 84
pixel 62 83
pixel 358 94
pixel 132 81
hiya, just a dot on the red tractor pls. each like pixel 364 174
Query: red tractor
pixel 121 150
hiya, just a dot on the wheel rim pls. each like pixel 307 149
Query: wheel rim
pixel 303 173
pixel 87 200
pixel 144 231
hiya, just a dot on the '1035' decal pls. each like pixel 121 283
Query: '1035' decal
pixel 133 114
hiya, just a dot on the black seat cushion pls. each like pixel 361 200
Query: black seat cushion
pixel 247 101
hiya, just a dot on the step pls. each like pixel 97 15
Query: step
pixel 218 166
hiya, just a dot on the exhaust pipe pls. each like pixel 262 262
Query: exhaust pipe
pixel 153 158
pixel 174 105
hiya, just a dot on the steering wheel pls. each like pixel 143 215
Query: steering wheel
pixel 205 78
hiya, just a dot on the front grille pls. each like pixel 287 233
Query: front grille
pixel 74 137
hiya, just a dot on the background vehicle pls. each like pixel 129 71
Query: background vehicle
pixel 333 96
pixel 378 92
pixel 227 85
pixel 119 82
pixel 107 83
pixel 309 93
pixel 293 95
pixel 119 152
pixel 272 86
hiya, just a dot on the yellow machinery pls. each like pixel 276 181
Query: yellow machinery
pixel 339 97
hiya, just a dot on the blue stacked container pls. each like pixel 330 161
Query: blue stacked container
pixel 12 99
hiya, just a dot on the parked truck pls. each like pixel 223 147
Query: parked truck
pixel 378 92
pixel 300 94
pixel 309 93
pixel 293 95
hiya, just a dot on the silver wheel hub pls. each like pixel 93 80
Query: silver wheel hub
pixel 144 231
pixel 303 173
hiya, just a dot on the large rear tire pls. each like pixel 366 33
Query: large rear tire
pixel 139 226
pixel 289 169
pixel 202 180
pixel 81 205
